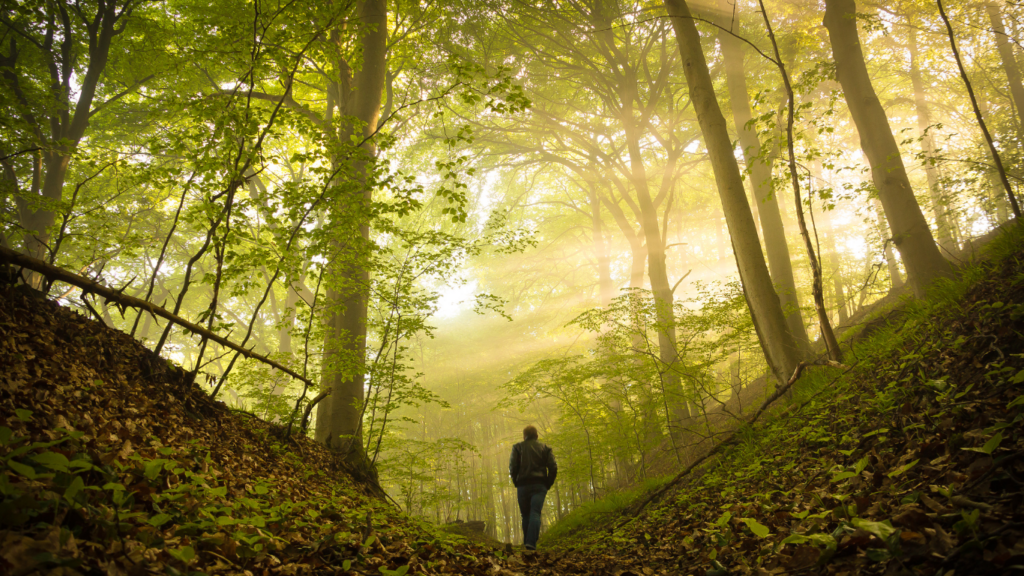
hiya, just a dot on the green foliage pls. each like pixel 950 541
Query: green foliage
pixel 599 512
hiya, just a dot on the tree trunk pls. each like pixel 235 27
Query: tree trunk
pixel 765 308
pixel 1009 64
pixel 890 259
pixel 924 120
pixel 779 261
pixel 65 124
pixel 339 416
pixel 911 234
pixel 657 271
pixel 834 267
pixel 606 289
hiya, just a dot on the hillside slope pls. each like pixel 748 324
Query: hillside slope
pixel 113 462
pixel 908 463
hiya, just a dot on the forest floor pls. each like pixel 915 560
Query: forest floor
pixel 908 463
pixel 113 462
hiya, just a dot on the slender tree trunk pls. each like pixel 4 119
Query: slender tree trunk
pixel 829 337
pixel 766 310
pixel 996 157
pixel 1009 64
pixel 834 266
pixel 911 234
pixel 760 168
pixel 606 289
pixel 657 270
pixel 890 259
pixel 924 121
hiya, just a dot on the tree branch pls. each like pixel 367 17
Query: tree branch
pixel 123 300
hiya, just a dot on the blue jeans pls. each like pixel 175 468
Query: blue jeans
pixel 531 500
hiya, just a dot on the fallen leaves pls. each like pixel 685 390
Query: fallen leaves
pixel 912 466
pixel 112 461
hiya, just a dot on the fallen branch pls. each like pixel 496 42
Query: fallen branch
pixel 309 407
pixel 732 437
pixel 124 300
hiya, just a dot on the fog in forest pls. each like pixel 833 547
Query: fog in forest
pixel 618 221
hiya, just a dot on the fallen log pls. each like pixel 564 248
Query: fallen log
pixel 124 300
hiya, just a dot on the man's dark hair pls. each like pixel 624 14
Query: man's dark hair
pixel 530 432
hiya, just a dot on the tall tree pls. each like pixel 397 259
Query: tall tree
pixel 53 73
pixel 355 94
pixel 777 342
pixel 924 124
pixel 910 232
pixel 1010 67
pixel 759 164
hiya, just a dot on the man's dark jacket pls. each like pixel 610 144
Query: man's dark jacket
pixel 532 462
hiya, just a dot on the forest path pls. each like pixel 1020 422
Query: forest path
pixel 913 463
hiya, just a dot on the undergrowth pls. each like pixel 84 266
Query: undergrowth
pixel 608 506
pixel 884 465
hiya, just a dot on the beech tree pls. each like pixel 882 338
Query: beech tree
pixel 765 307
pixel 55 72
pixel 759 164
pixel 910 232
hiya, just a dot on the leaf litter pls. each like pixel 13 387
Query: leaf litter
pixel 911 464
pixel 113 461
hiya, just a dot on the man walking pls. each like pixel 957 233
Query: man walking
pixel 533 470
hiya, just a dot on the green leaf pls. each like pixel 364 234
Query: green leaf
pixel 877 554
pixel 80 464
pixel 74 488
pixel 795 539
pixel 860 465
pixel 369 541
pixel 843 476
pixel 880 529
pixel 721 522
pixel 23 469
pixel 262 489
pixel 257 521
pixel 153 468
pixel 759 530
pixel 23 414
pixel 6 433
pixel 993 443
pixel 346 565
pixel 1018 401
pixel 185 554
pixel 225 521
pixel 220 491
pixel 53 461
pixel 160 520
pixel 989 446
pixel 903 468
